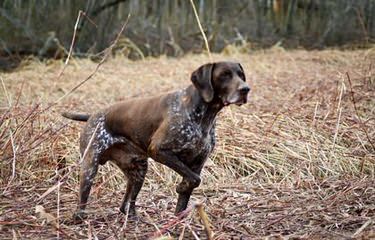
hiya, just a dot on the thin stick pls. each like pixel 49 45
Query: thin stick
pixel 14 155
pixel 205 220
pixel 173 222
pixel 6 92
pixel 58 204
pixel 89 144
pixel 90 20
pixel 201 29
pixel 362 24
pixel 339 109
pixel 14 149
pixel 359 230
pixel 126 215
pixel 71 44
pixel 74 39
pixel 359 118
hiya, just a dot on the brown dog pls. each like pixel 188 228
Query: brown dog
pixel 175 129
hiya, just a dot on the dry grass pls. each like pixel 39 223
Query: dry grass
pixel 297 161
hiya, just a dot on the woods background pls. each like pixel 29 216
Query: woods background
pixel 45 28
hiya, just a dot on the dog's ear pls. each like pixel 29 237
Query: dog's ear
pixel 202 80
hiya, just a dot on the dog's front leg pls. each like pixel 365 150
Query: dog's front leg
pixel 184 189
pixel 170 160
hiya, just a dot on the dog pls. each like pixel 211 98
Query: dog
pixel 176 129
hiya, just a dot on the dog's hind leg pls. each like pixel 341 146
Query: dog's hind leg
pixel 135 178
pixel 89 169
pixel 134 165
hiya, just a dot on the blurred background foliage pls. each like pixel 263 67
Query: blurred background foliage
pixel 44 28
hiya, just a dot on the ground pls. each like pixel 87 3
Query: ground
pixel 296 162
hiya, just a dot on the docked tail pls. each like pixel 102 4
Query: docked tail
pixel 76 116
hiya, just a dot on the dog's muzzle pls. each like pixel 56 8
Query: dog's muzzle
pixel 243 92
pixel 238 98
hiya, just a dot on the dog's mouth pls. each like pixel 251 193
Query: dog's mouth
pixel 241 102
pixel 237 99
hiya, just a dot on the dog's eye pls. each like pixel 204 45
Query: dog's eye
pixel 241 75
pixel 226 74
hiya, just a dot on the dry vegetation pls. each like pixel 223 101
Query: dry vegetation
pixel 297 161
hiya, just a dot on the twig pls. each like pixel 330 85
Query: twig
pixel 359 230
pixel 14 149
pixel 359 118
pixel 201 29
pixel 173 222
pixel 14 155
pixel 89 144
pixel 58 204
pixel 193 232
pixel 18 128
pixel 114 232
pixel 90 20
pixel 339 109
pixel 126 215
pixel 205 220
pixel 74 39
pixel 6 92
pixel 182 215
pixel 362 24
pixel 71 44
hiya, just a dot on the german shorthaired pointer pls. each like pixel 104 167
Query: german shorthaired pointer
pixel 175 129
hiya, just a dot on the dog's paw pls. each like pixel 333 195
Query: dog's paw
pixel 187 186
pixel 131 214
pixel 196 181
pixel 79 216
pixel 133 218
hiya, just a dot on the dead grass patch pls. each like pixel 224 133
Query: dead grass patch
pixel 294 162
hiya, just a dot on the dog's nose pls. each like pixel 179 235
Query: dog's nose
pixel 244 90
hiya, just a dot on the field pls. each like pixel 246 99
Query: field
pixel 296 162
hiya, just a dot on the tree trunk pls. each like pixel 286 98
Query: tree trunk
pixel 289 17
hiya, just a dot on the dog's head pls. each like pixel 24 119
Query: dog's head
pixel 224 81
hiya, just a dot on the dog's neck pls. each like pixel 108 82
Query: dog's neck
pixel 200 110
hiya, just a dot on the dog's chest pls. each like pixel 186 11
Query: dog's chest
pixel 189 139
pixel 188 134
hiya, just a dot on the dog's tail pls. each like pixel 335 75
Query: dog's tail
pixel 76 116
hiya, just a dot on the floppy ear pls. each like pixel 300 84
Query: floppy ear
pixel 244 76
pixel 201 79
